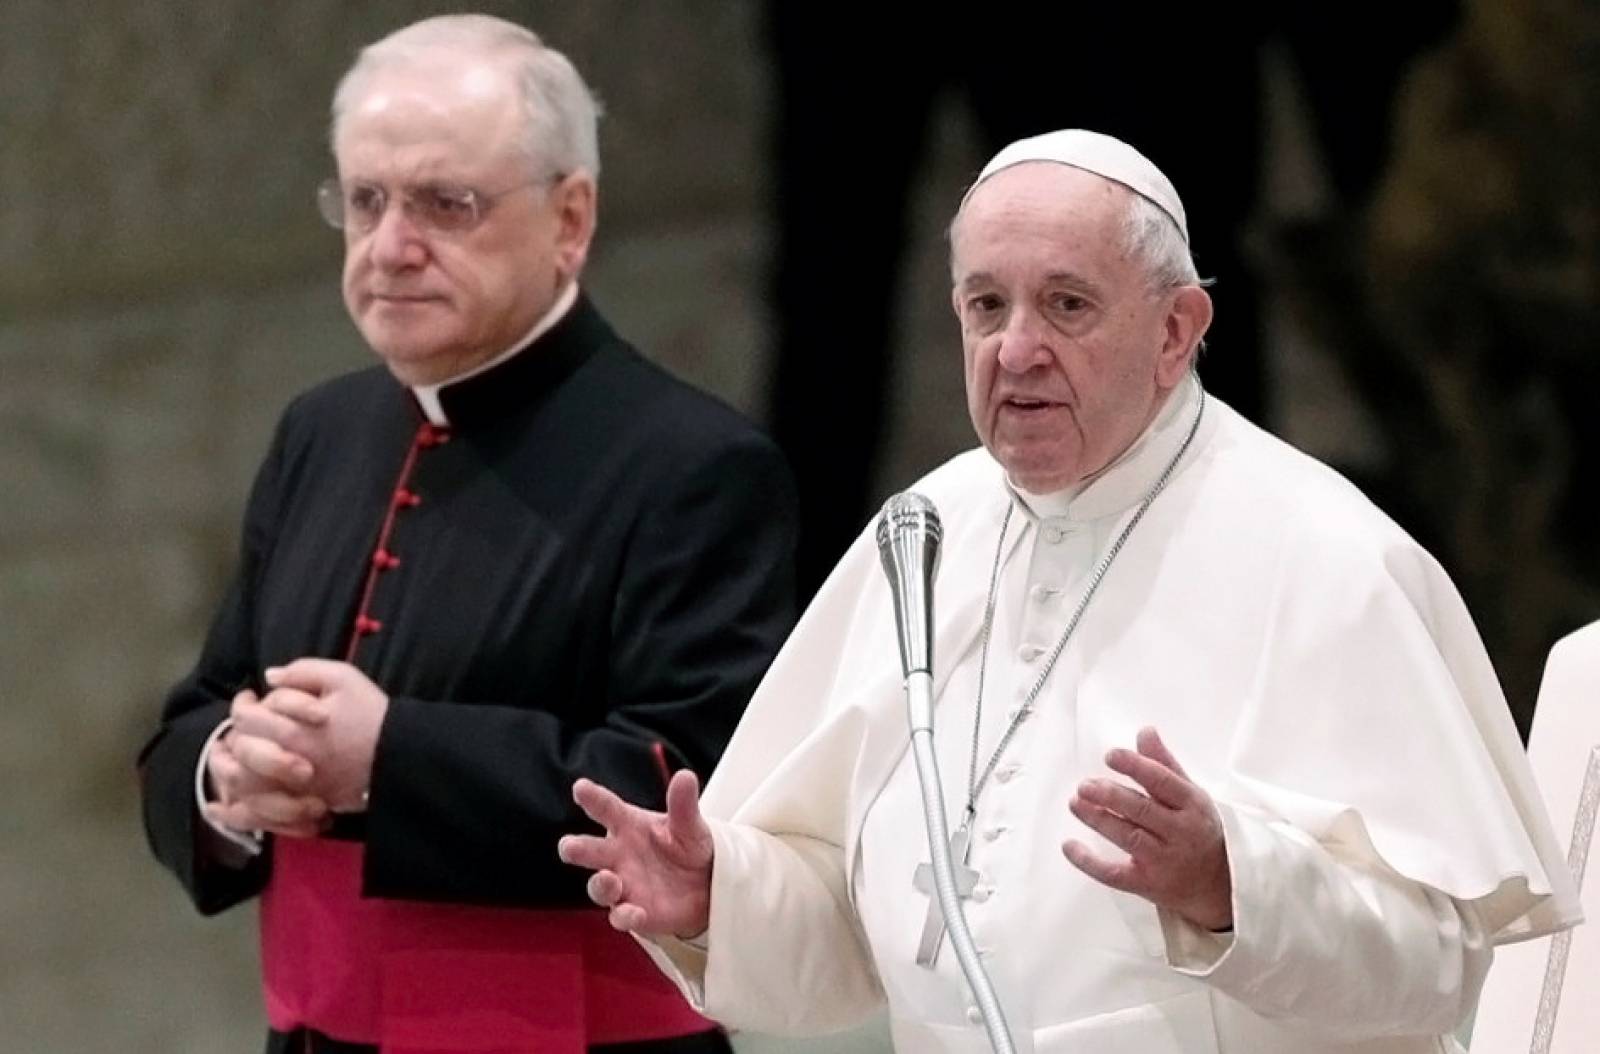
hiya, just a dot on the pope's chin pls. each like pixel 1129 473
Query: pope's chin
pixel 1035 465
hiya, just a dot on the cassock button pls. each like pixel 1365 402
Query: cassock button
pixel 384 560
pixel 1042 594
pixel 1054 535
pixel 367 626
pixel 974 1015
pixel 407 499
pixel 1029 652
pixel 994 832
pixel 980 894
pixel 1005 775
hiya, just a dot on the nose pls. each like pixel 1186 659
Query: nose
pixel 395 243
pixel 1024 342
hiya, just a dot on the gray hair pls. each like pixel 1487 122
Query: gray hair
pixel 1152 238
pixel 559 111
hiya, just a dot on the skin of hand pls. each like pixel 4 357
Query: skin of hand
pixel 1169 828
pixel 260 783
pixel 651 869
pixel 329 713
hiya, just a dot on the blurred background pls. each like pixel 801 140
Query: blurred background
pixel 1401 205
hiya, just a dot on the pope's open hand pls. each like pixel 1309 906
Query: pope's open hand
pixel 652 869
pixel 1177 858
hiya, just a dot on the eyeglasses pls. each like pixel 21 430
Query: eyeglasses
pixel 438 208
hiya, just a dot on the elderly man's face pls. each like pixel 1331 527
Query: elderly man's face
pixel 434 304
pixel 1068 353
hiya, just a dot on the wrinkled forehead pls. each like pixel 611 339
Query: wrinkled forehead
pixel 1044 186
pixel 437 111
pixel 1038 202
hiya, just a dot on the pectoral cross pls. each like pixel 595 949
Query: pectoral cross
pixel 966 879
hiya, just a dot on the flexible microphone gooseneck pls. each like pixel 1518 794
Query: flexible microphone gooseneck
pixel 909 534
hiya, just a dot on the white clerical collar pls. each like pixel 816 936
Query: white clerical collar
pixel 1124 482
pixel 428 394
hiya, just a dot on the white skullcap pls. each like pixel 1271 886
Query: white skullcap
pixel 1103 155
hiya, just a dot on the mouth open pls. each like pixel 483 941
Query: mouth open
pixel 1021 404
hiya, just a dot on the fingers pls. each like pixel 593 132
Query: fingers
pixel 600 804
pixel 271 810
pixel 1116 874
pixel 245 821
pixel 628 918
pixel 299 706
pixel 266 759
pixel 317 676
pixel 585 850
pixel 1128 837
pixel 1151 746
pixel 1164 784
pixel 276 808
pixel 1129 804
pixel 253 718
pixel 230 779
pixel 605 888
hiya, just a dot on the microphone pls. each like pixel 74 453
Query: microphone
pixel 908 541
pixel 909 534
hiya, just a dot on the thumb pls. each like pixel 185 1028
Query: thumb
pixel 684 821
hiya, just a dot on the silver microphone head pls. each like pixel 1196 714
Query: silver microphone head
pixel 909 534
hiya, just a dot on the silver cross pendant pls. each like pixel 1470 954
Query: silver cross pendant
pixel 933 928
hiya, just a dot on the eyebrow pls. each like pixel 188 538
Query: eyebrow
pixel 1067 278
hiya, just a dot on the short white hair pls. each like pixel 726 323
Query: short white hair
pixel 560 113
pixel 1152 238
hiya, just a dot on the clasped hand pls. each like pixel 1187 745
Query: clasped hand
pixel 299 753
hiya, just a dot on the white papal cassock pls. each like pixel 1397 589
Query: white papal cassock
pixel 1304 659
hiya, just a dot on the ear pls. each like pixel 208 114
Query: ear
pixel 1187 321
pixel 574 201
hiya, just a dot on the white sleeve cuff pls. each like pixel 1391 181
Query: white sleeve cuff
pixel 249 841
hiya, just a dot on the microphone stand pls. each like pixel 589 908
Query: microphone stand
pixel 908 536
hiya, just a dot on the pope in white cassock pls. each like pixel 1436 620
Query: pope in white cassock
pixel 1235 769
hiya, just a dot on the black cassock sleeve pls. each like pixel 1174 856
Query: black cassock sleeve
pixel 467 801
pixel 215 873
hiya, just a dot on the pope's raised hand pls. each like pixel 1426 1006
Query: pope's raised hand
pixel 651 869
pixel 1169 827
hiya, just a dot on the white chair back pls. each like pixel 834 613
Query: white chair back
pixel 1543 996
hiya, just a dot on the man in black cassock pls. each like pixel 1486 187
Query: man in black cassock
pixel 514 554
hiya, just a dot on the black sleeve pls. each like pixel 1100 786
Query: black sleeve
pixel 211 869
pixel 467 802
